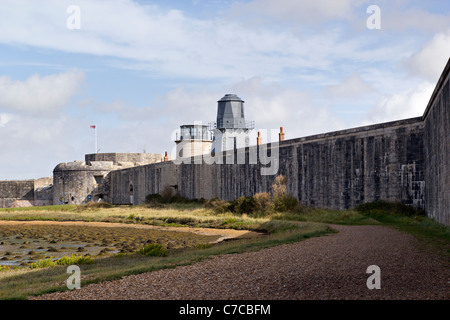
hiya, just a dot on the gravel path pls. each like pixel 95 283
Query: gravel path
pixel 329 267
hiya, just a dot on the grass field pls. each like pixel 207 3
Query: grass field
pixel 278 228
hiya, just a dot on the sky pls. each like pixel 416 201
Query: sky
pixel 140 69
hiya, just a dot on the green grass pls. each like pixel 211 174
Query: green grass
pixel 278 228
pixel 153 250
pixel 73 259
pixel 433 235
pixel 345 217
pixel 55 208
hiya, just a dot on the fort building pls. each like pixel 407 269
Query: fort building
pixel 80 182
pixel 407 160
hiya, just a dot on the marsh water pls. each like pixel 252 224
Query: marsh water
pixel 23 243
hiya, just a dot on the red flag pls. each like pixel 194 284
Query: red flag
pixel 93 127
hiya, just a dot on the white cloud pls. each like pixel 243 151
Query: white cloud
pixel 403 105
pixel 35 145
pixel 432 57
pixel 352 87
pixel 170 42
pixel 5 118
pixel 272 105
pixel 422 21
pixel 39 94
pixel 303 12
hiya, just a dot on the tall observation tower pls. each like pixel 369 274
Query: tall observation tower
pixel 230 130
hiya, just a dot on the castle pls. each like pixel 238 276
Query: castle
pixel 406 160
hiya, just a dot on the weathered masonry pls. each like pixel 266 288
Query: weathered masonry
pixel 334 170
pixel 26 193
pixel 84 181
pixel 437 150
pixel 405 160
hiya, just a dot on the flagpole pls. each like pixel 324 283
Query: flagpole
pixel 95 137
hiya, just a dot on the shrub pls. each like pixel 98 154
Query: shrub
pixel 263 202
pixel 153 250
pixel 243 205
pixel 43 263
pixel 279 188
pixel 387 207
pixel 75 259
pixel 167 194
pixel 179 199
pixel 281 199
pixel 285 203
pixel 153 198
pixel 217 205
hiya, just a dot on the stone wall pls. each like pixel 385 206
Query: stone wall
pixel 26 192
pixel 334 170
pixel 406 160
pixel 343 169
pixel 125 158
pixel 437 150
pixel 132 185
pixel 79 182
pixel 17 189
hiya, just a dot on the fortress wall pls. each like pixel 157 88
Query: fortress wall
pixel 437 151
pixel 381 162
pixel 73 183
pixel 20 189
pixel 132 185
pixel 6 202
pixel 406 160
pixel 334 170
pixel 117 158
pixel 26 192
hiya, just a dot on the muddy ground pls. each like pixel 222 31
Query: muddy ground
pixel 22 242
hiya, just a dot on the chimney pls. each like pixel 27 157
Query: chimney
pixel 166 157
pixel 258 139
pixel 281 134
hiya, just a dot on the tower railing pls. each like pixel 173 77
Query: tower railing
pixel 250 125
pixel 196 136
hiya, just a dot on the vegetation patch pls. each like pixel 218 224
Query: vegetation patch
pixel 379 208
pixel 261 204
pixel 60 240
pixel 433 235
pixel 66 260
pixel 153 250
pixel 124 250
pixel 135 254
pixel 345 217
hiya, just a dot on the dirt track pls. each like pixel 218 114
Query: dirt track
pixel 329 267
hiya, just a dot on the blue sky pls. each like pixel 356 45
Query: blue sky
pixel 140 69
